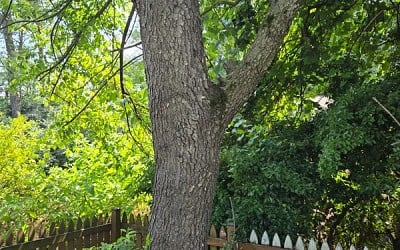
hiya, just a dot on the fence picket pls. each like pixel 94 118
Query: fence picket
pixel 94 236
pixel 107 235
pixel 52 230
pixel 253 237
pixel 42 234
pixel 213 234
pixel 222 233
pixel 339 246
pixel 276 242
pixel 325 245
pixel 86 238
pixel 79 241
pixel 124 218
pixel 42 231
pixel 70 242
pixel 131 219
pixel 139 221
pixel 31 233
pixel 9 238
pixel 265 239
pixel 145 221
pixel 61 230
pixel 61 227
pixel 299 244
pixel 288 242
pixel 312 245
pixel 20 236
pixel 102 235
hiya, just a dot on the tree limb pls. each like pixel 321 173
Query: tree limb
pixel 242 81
pixel 5 14
pixel 121 52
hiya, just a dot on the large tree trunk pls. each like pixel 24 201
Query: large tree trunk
pixel 189 113
pixel 185 132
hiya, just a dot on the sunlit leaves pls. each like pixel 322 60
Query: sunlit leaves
pixel 101 134
pixel 19 147
pixel 229 29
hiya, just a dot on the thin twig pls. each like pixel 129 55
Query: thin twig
pixel 387 111
pixel 233 213
pixel 128 47
pixel 4 16
pixel 121 53
pixel 74 42
pixel 43 17
pixel 234 222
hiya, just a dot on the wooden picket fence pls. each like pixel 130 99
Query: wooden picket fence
pixel 288 243
pixel 93 232
pixel 225 236
pixel 77 234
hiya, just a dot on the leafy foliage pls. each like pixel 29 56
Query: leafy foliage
pixel 271 186
pixel 92 150
pixel 19 144
pixel 291 166
pixel 126 242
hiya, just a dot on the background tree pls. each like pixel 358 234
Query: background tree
pixel 22 57
pixel 11 50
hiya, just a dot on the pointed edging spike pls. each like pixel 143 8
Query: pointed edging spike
pixel 222 233
pixel 31 233
pixel 253 237
pixel 299 244
pixel 325 245
pixel 265 239
pixel 288 242
pixel 312 245
pixel 339 246
pixel 213 232
pixel 20 236
pixel 276 242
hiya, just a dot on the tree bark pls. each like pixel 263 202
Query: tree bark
pixel 15 104
pixel 15 100
pixel 189 113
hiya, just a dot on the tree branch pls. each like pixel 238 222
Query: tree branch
pixel 121 53
pixel 64 57
pixel 5 15
pixel 46 16
pixel 242 81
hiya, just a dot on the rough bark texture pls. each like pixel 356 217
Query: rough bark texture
pixel 15 100
pixel 188 114
pixel 15 104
